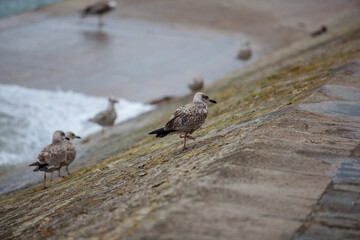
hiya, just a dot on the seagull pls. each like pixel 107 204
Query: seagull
pixel 106 117
pixel 52 157
pixel 244 51
pixel 99 9
pixel 71 150
pixel 187 119
pixel 320 31
pixel 196 83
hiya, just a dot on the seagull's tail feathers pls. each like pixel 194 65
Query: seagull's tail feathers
pixel 161 132
pixel 39 166
pixel 34 164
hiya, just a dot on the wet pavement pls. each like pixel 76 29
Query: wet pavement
pixel 150 49
pixel 132 59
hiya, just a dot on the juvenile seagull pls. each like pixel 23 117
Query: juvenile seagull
pixel 71 150
pixel 106 117
pixel 187 119
pixel 52 157
pixel 99 9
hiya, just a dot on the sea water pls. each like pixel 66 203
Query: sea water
pixel 28 118
pixel 10 7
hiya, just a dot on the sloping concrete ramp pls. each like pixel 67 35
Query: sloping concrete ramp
pixel 278 158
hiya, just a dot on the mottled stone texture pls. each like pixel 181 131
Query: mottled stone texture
pixel 283 128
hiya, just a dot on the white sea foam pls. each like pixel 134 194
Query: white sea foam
pixel 28 117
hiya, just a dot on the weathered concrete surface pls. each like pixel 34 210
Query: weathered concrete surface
pixel 337 214
pixel 256 170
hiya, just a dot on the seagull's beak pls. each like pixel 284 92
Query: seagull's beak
pixel 212 100
pixel 67 138
pixel 78 137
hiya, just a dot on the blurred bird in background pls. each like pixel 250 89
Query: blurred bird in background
pixel 196 84
pixel 99 9
pixel 244 52
pixel 107 117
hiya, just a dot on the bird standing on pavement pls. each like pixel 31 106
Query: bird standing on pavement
pixel 196 84
pixel 52 157
pixel 244 52
pixel 187 119
pixel 99 9
pixel 71 150
pixel 107 117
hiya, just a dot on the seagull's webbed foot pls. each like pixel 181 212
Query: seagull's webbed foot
pixel 184 148
pixel 44 187
pixel 60 176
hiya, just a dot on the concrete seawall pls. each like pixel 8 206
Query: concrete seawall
pixel 278 158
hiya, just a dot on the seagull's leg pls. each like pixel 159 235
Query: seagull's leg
pixel 44 187
pixel 51 176
pixel 67 170
pixel 101 22
pixel 59 173
pixel 190 137
pixel 103 133
pixel 184 148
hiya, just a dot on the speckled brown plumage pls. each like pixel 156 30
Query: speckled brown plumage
pixel 187 119
pixel 52 157
pixel 71 150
